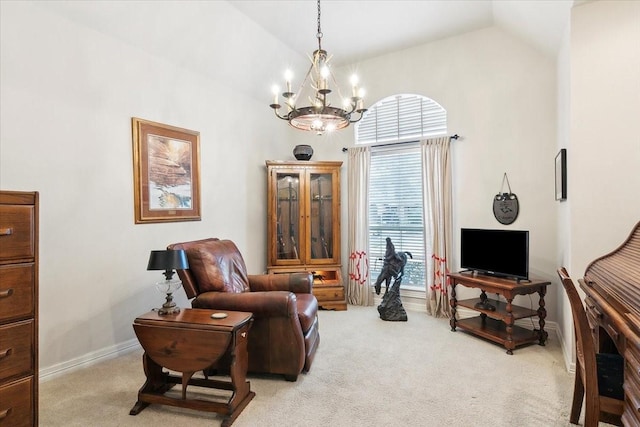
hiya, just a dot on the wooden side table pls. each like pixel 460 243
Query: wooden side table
pixel 496 319
pixel 188 342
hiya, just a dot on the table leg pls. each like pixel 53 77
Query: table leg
pixel 509 321
pixel 453 302
pixel 242 393
pixel 155 383
pixel 186 376
pixel 542 314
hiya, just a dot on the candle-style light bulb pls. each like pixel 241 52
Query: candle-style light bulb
pixel 324 73
pixel 360 105
pixel 288 76
pixel 354 85
pixel 275 89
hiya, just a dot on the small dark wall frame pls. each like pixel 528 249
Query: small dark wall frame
pixel 561 175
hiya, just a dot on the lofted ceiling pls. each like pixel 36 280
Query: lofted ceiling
pixel 358 29
pixel 188 32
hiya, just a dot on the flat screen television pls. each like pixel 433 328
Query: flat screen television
pixel 502 253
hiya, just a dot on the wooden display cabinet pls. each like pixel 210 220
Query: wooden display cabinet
pixel 303 225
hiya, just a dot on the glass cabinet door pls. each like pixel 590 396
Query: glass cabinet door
pixel 321 215
pixel 288 215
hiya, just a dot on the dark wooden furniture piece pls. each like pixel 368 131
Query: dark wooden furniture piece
pixel 612 287
pixel 303 225
pixel 18 308
pixel 285 335
pixel 599 376
pixel 188 342
pixel 496 321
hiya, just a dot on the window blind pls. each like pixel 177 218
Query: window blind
pixel 401 118
pixel 396 209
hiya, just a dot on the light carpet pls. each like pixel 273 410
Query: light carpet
pixel 367 372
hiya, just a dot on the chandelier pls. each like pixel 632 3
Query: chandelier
pixel 320 115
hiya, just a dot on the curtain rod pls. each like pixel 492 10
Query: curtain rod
pixel 344 149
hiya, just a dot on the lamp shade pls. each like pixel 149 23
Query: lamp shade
pixel 168 260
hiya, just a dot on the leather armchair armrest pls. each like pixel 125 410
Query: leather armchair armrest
pixel 261 304
pixel 299 283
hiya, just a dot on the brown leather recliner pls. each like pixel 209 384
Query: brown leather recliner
pixel 284 336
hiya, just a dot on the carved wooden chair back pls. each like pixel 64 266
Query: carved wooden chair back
pixel 598 379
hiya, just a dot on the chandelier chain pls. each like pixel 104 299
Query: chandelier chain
pixel 319 33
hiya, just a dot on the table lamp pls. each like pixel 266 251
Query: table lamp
pixel 169 261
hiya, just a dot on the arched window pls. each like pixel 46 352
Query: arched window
pixel 401 118
pixel 393 127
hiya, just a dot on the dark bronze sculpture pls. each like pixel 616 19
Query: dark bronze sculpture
pixel 393 268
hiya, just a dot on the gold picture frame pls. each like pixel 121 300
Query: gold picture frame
pixel 166 172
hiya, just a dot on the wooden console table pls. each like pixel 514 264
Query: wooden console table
pixel 188 342
pixel 497 318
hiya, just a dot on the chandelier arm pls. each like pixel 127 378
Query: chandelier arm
pixel 279 116
pixel 361 112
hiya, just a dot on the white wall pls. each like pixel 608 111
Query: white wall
pixel 67 95
pixel 564 321
pixel 599 106
pixel 604 160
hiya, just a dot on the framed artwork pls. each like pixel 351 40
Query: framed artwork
pixel 561 175
pixel 166 172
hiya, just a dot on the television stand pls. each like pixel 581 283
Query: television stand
pixel 496 321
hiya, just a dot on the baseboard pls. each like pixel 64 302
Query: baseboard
pixel 569 361
pixel 88 359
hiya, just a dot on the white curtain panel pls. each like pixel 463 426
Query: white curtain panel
pixel 436 184
pixel 358 286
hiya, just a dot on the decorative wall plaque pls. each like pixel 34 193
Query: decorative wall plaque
pixel 505 205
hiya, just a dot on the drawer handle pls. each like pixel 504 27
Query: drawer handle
pixel 7 293
pixel 5 353
pixel 244 334
pixel 4 413
pixel 6 231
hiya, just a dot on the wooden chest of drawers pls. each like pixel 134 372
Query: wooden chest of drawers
pixel 18 308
